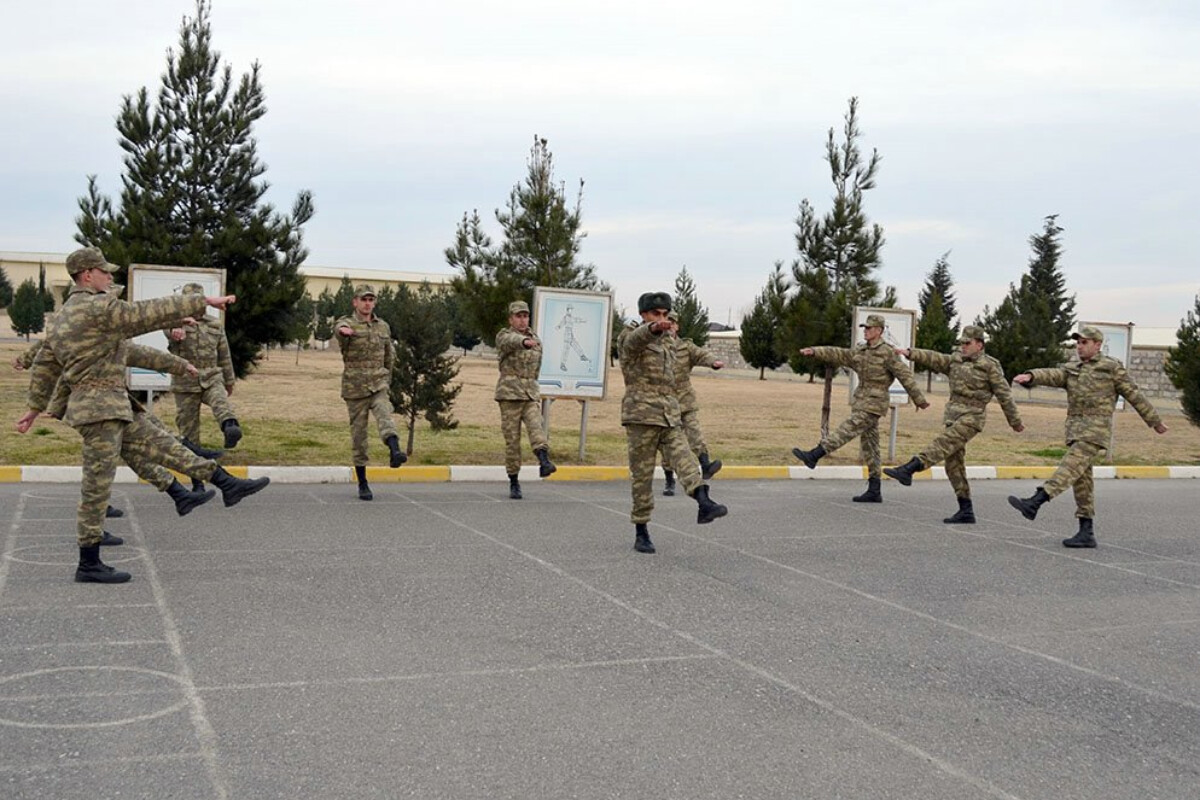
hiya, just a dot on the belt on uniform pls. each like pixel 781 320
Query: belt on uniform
pixel 99 383
pixel 364 364
pixel 958 401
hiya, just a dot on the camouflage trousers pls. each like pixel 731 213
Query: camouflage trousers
pixel 1075 472
pixel 644 443
pixel 866 427
pixel 514 413
pixel 951 447
pixel 138 442
pixel 695 437
pixel 150 444
pixel 187 410
pixel 360 409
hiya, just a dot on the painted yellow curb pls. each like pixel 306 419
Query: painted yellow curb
pixel 751 473
pixel 407 474
pixel 1143 472
pixel 10 474
pixel 1035 473
pixel 590 474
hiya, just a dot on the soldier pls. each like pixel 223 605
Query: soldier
pixel 204 344
pixel 975 378
pixel 368 354
pixel 88 340
pixel 1093 384
pixel 687 356
pixel 877 365
pixel 650 415
pixel 517 392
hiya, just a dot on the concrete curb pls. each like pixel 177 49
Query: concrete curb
pixel 455 474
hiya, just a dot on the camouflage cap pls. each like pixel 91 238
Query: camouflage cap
pixel 116 289
pixel 517 307
pixel 1088 332
pixel 971 333
pixel 652 300
pixel 86 258
pixel 193 288
pixel 364 290
pixel 873 321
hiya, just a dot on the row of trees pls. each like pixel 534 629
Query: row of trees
pixel 28 305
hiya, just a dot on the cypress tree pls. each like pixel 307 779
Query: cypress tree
pixel 693 317
pixel 1183 364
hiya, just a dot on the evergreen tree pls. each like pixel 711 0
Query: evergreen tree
pixel 1183 364
pixel 937 328
pixel 6 289
pixel 939 282
pixel 465 336
pixel 758 340
pixel 542 238
pixel 301 323
pixel 421 379
pixel 27 312
pixel 192 193
pixel 693 317
pixel 44 293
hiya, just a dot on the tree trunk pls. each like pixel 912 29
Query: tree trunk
pixel 929 382
pixel 826 401
pixel 762 373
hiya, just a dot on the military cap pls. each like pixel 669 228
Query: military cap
pixel 673 316
pixel 364 290
pixel 193 288
pixel 971 333
pixel 116 289
pixel 873 321
pixel 1088 332
pixel 86 258
pixel 518 306
pixel 652 300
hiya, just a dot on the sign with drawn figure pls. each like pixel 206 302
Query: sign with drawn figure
pixel 147 282
pixel 575 329
pixel 900 330
pixel 1118 344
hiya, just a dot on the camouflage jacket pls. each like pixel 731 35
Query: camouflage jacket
pixel 518 366
pixel 648 364
pixel 205 346
pixel 877 365
pixel 368 356
pixel 86 344
pixel 1092 389
pixel 974 381
pixel 136 356
pixel 688 355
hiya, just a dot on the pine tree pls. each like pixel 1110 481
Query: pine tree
pixel 193 192
pixel 760 327
pixel 937 328
pixel 693 317
pixel 27 312
pixel 939 282
pixel 6 289
pixel 1183 364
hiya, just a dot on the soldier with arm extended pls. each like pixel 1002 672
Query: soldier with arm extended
pixel 687 356
pixel 368 355
pixel 975 378
pixel 877 366
pixel 519 354
pixel 1093 385
pixel 25 360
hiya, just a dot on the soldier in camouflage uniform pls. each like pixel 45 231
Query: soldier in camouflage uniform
pixel 975 378
pixel 87 341
pixel 1093 384
pixel 687 356
pixel 650 415
pixel 520 359
pixel 368 355
pixel 203 343
pixel 877 366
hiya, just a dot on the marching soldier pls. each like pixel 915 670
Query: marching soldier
pixel 975 378
pixel 1093 384
pixel 650 415
pixel 687 356
pixel 877 365
pixel 368 355
pixel 520 359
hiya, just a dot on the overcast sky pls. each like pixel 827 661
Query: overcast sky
pixel 698 128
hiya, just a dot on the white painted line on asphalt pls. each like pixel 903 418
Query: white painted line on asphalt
pixel 66 763
pixel 10 544
pixel 17 648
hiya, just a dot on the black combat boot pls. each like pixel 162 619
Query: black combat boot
pixel 203 452
pixel 1029 506
pixel 809 457
pixel 708 468
pixel 641 541
pixel 545 466
pixel 108 540
pixel 965 514
pixel 708 509
pixel 185 501
pixel 233 433
pixel 92 570
pixel 904 474
pixel 113 513
pixel 197 485
pixel 398 456
pixel 234 490
pixel 364 488
pixel 669 488
pixel 872 494
pixel 514 487
pixel 1086 536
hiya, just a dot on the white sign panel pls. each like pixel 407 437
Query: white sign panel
pixel 900 330
pixel 147 282
pixel 575 329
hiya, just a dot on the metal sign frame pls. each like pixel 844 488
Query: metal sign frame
pixel 575 328
pixel 147 281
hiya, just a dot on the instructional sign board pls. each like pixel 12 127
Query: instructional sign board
pixel 900 330
pixel 575 328
pixel 147 282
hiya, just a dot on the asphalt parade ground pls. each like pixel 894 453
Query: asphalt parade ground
pixel 443 641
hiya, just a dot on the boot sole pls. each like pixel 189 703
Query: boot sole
pixel 800 454
pixel 117 577
pixel 245 494
pixel 1015 502
pixel 902 478
pixel 950 521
